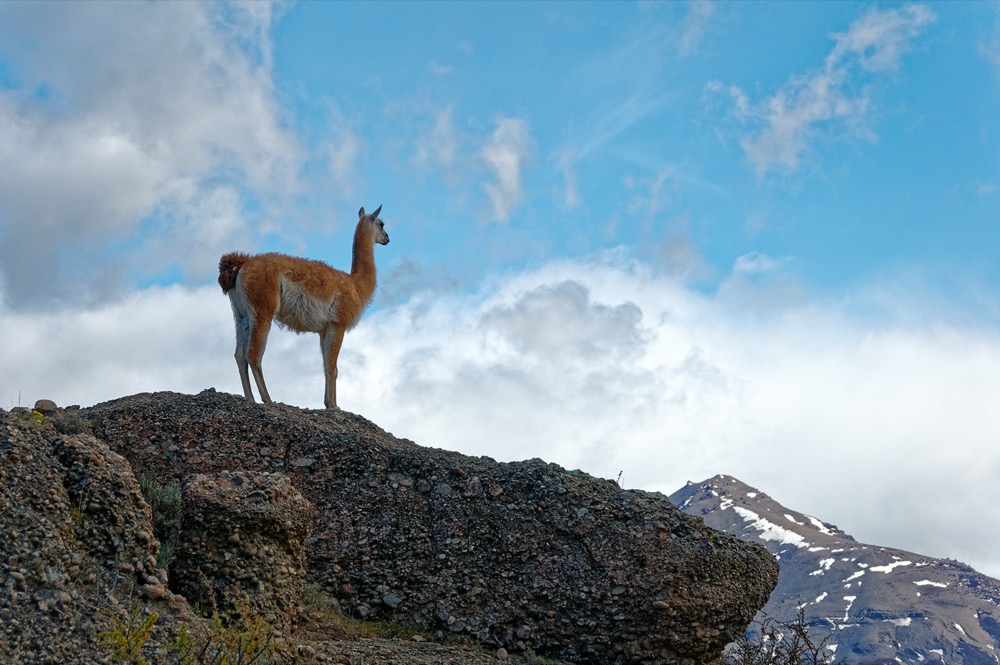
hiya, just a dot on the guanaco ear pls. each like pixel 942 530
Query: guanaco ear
pixel 377 211
pixel 361 213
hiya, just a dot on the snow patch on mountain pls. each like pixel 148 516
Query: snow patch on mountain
pixel 889 566
pixel 855 576
pixel 824 565
pixel 768 530
pixel 820 526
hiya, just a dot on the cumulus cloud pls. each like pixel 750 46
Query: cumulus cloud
pixel 127 117
pixel 834 97
pixel 534 324
pixel 155 339
pixel 605 365
pixel 505 155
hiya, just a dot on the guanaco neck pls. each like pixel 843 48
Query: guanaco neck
pixel 363 258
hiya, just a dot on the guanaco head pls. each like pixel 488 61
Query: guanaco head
pixel 378 226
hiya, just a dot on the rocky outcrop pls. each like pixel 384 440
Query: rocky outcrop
pixel 77 547
pixel 516 556
pixel 77 574
pixel 241 545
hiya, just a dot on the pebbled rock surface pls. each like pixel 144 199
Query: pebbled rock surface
pixel 514 556
pixel 241 545
pixel 77 546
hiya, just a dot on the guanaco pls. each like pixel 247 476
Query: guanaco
pixel 301 295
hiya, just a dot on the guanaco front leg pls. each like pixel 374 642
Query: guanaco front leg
pixel 330 340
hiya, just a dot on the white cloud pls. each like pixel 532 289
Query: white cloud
pixel 505 154
pixel 754 263
pixel 437 145
pixel 694 26
pixel 833 97
pixel 342 152
pixel 990 50
pixel 605 366
pixel 155 339
pixel 879 39
pixel 122 114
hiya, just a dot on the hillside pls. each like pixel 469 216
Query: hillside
pixel 873 604
pixel 474 556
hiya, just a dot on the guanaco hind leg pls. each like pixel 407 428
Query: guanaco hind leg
pixel 243 325
pixel 255 353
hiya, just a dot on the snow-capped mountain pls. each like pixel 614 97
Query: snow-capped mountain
pixel 874 604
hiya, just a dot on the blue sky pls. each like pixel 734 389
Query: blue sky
pixel 653 126
pixel 668 240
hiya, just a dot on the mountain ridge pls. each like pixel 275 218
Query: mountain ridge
pixel 872 604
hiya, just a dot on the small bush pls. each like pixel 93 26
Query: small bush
pixel 246 641
pixel 773 642
pixel 71 423
pixel 165 502
pixel 127 637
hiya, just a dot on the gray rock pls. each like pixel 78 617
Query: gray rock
pixel 241 545
pixel 46 407
pixel 469 537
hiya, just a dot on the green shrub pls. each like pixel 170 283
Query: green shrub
pixel 68 422
pixel 126 637
pixel 246 641
pixel 165 502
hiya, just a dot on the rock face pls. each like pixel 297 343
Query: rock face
pixel 515 556
pixel 76 546
pixel 241 545
pixel 871 604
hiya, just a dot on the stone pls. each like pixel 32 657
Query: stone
pixel 153 591
pixel 46 407
pixel 248 531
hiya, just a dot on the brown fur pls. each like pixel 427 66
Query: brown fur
pixel 229 267
pixel 302 295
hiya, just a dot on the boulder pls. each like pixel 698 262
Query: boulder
pixel 241 546
pixel 46 407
